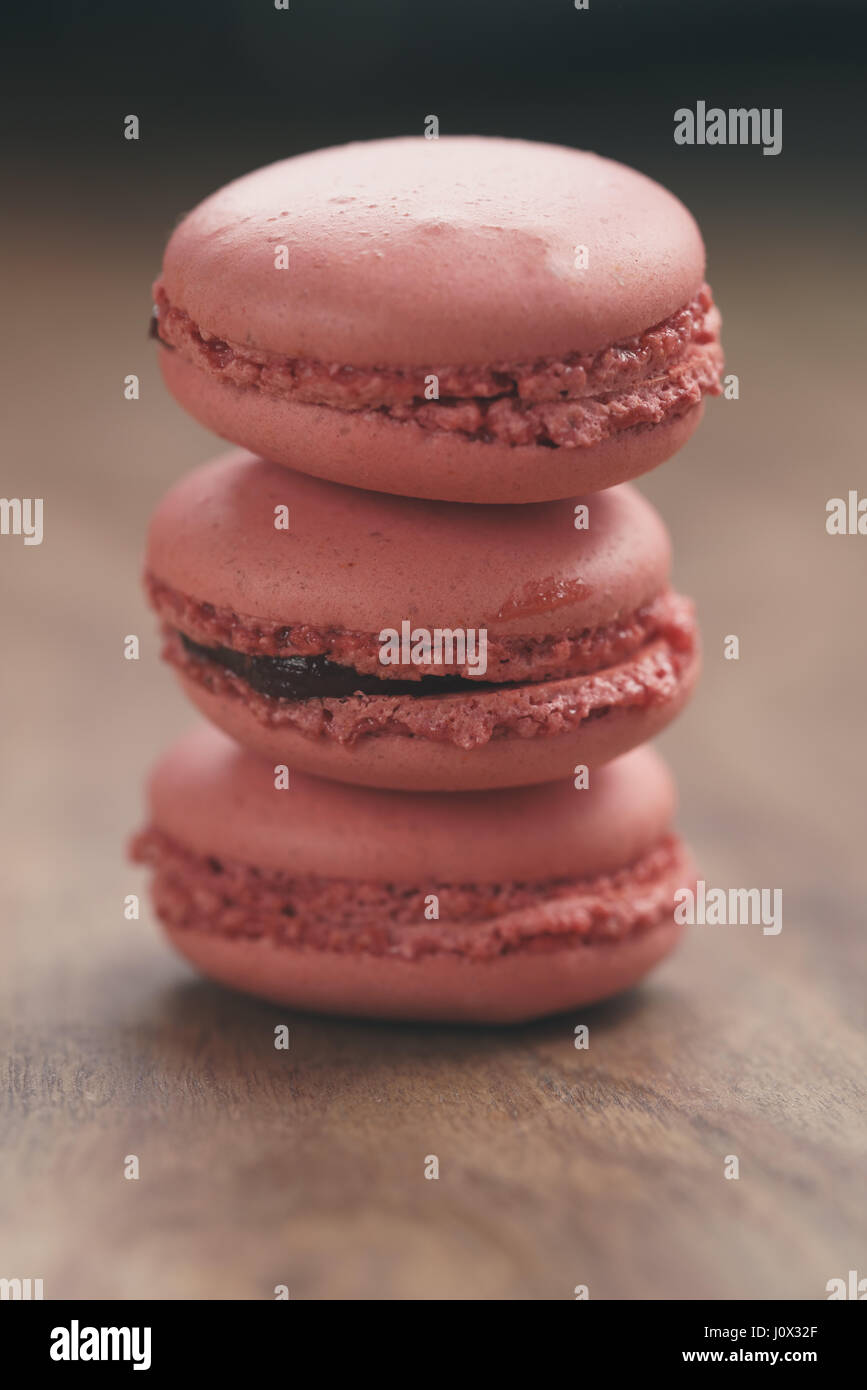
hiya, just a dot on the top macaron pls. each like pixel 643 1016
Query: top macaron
pixel 466 319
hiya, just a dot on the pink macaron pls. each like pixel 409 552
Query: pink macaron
pixel 491 907
pixel 467 319
pixel 397 643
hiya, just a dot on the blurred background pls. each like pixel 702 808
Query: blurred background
pixel 563 1167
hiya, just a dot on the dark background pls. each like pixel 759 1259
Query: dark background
pixel 211 78
pixel 558 1167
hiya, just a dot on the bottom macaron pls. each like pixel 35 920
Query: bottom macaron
pixel 482 907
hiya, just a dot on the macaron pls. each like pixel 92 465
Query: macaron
pixel 491 907
pixel 396 643
pixel 465 319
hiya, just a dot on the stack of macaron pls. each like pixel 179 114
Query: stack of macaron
pixel 429 621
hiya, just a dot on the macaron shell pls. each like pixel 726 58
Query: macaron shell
pixel 451 251
pixel 363 561
pixel 369 450
pixel 444 989
pixel 215 799
pixel 406 764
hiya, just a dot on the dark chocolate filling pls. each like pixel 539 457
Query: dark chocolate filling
pixel 154 329
pixel 315 677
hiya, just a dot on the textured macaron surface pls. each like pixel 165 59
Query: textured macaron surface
pixel 555 298
pixel 226 898
pixel 361 561
pixel 345 870
pixel 212 797
pixel 402 251
pixel 290 622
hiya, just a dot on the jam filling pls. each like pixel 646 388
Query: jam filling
pixel 315 677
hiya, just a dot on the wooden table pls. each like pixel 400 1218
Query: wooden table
pixel 558 1167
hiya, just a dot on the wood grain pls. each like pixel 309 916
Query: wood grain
pixel 557 1167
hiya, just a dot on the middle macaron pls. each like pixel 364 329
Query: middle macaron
pixel 403 644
